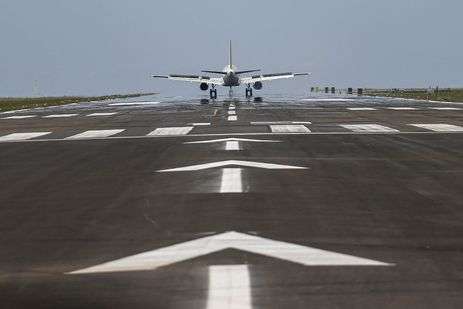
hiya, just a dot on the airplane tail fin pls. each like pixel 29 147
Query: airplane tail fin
pixel 230 55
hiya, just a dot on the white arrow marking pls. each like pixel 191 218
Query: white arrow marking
pixel 229 287
pixel 234 140
pixel 231 162
pixel 298 254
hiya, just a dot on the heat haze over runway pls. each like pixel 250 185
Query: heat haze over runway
pixel 288 202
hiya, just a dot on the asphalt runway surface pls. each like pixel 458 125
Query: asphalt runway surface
pixel 322 202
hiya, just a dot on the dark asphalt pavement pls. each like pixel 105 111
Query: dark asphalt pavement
pixel 390 196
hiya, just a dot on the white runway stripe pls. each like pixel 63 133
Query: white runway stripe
pixel 60 116
pixel 171 131
pixel 289 129
pixel 133 103
pixel 402 108
pixel 95 134
pixel 20 117
pixel 368 128
pixel 446 108
pixel 231 112
pixel 232 118
pixel 232 146
pixel 231 107
pixel 100 114
pixel 231 181
pixel 439 127
pixel 22 136
pixel 200 124
pixel 229 287
pixel 362 109
pixel 260 123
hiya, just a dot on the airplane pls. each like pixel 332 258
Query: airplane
pixel 231 78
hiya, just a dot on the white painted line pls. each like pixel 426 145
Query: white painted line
pixel 200 124
pixel 328 100
pixel 100 114
pixel 368 128
pixel 231 108
pixel 231 181
pixel 133 103
pixel 402 108
pixel 289 129
pixel 14 111
pixel 20 117
pixel 232 146
pixel 60 116
pixel 229 287
pixel 231 112
pixel 171 131
pixel 199 167
pixel 232 118
pixel 233 139
pixel 362 109
pixel 95 134
pixel 263 123
pixel 446 108
pixel 294 253
pixel 21 136
pixel 439 127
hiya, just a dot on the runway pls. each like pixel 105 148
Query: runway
pixel 316 202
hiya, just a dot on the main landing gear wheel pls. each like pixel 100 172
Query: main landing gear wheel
pixel 213 93
pixel 248 91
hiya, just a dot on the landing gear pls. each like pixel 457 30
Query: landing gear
pixel 248 91
pixel 213 93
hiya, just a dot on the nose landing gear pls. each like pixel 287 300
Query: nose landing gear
pixel 248 91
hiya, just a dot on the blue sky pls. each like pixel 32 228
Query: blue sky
pixel 98 47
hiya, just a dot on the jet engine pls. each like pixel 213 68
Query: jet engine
pixel 257 85
pixel 204 86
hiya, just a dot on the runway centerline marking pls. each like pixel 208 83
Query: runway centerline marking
pixel 20 117
pixel 368 128
pixel 101 114
pixel 232 118
pixel 232 146
pixel 229 287
pixel 362 109
pixel 200 124
pixel 439 127
pixel 205 166
pixel 299 254
pixel 22 136
pixel 96 134
pixel 231 112
pixel 231 181
pixel 60 116
pixel 134 103
pixel 171 131
pixel 289 129
pixel 234 139
pixel 402 108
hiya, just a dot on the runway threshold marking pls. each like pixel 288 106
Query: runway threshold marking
pixel 232 118
pixel 368 128
pixel 231 181
pixel 22 136
pixel 171 131
pixel 96 134
pixel 60 116
pixel 205 166
pixel 231 112
pixel 289 129
pixel 299 254
pixel 229 287
pixel 20 117
pixel 439 127
pixel 101 114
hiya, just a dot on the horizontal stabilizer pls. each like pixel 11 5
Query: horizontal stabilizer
pixel 247 71
pixel 215 72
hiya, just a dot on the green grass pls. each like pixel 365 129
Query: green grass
pixel 7 104
pixel 445 95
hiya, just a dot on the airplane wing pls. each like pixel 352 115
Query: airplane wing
pixel 269 77
pixel 192 78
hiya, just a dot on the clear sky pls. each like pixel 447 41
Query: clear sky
pixel 107 46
